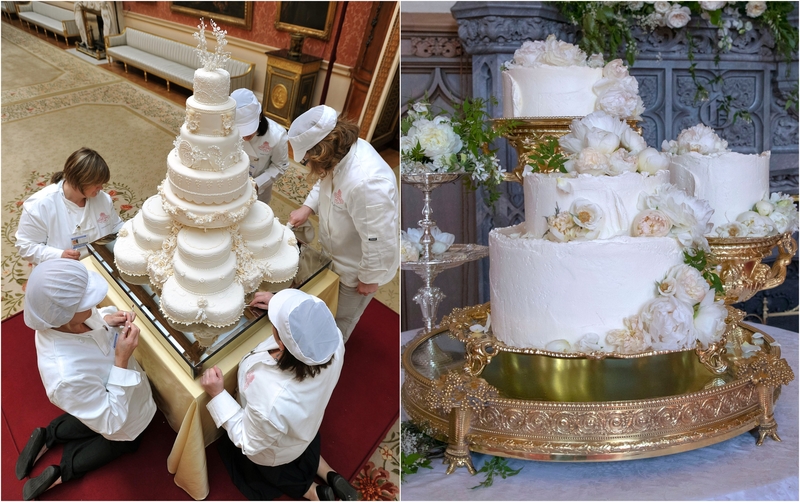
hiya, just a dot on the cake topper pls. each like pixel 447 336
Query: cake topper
pixel 218 59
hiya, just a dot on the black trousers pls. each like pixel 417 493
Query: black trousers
pixel 84 449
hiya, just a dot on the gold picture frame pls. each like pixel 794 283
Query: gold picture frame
pixel 231 13
pixel 305 18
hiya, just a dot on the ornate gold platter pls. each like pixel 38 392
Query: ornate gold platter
pixel 470 390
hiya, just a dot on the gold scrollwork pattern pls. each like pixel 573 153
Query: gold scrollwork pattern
pixel 457 389
pixel 764 369
pixel 481 346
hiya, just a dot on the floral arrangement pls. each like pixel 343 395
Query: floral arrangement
pixel 411 248
pixel 617 92
pixel 601 144
pixel 218 59
pixel 608 27
pixel 774 215
pixel 456 144
pixel 583 221
pixel 671 212
pixel 700 139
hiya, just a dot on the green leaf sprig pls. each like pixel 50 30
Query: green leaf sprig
pixel 546 156
pixel 497 466
pixel 696 258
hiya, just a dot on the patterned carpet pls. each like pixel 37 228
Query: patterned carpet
pixel 54 103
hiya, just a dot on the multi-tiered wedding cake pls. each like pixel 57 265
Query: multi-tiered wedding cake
pixel 205 240
pixel 602 261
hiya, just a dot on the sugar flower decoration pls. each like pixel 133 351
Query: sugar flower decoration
pixel 218 59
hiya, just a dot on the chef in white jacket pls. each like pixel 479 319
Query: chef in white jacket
pixel 87 369
pixel 59 220
pixel 265 143
pixel 284 384
pixel 356 200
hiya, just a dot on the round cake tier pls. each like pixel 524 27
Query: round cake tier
pixel 542 291
pixel 154 216
pixel 258 222
pixel 211 86
pixel 731 182
pixel 129 257
pixel 203 280
pixel 282 265
pixel 204 249
pixel 211 120
pixel 206 215
pixel 616 196
pixel 268 243
pixel 146 239
pixel 222 308
pixel 208 153
pixel 208 187
pixel 549 91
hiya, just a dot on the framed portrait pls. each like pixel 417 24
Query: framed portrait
pixel 230 13
pixel 312 19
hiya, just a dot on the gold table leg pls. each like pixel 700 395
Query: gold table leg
pixel 457 452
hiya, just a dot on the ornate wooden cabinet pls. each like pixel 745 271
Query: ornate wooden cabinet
pixel 289 86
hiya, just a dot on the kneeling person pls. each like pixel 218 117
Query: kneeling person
pixel 84 356
pixel 285 383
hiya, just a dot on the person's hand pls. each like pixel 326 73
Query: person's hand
pixel 127 341
pixel 71 254
pixel 119 318
pixel 366 289
pixel 300 216
pixel 212 381
pixel 261 300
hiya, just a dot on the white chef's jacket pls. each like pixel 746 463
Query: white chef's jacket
pixel 49 221
pixel 276 417
pixel 79 377
pixel 269 156
pixel 358 223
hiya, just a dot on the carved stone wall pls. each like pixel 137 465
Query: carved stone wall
pixel 490 32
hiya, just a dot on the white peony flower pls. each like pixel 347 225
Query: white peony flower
pixel 709 321
pixel 632 141
pixel 615 69
pixel 712 5
pixel 755 9
pixel 678 16
pixel 591 161
pixel 662 7
pixel 602 141
pixel 586 214
pixel 782 223
pixel 651 223
pixel 558 53
pixel 595 61
pixel 763 207
pixel 669 323
pixel 619 103
pixel 733 229
pixel 602 120
pixel 630 340
pixel 651 161
pixel 590 342
pixel 529 54
pixel 690 216
pixel 436 137
pixel 667 287
pixel 621 162
pixel 690 287
pixel 701 139
pixel 757 225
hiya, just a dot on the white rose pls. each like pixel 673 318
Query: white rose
pixel 651 223
pixel 662 7
pixel 678 17
pixel 617 103
pixel 669 323
pixel 595 61
pixel 601 120
pixel 763 207
pixel 621 162
pixel 709 321
pixel 757 225
pixel 602 141
pixel 691 287
pixel 667 287
pixel 755 9
pixel 701 139
pixel 615 69
pixel 630 340
pixel 561 227
pixel 781 222
pixel 632 141
pixel 733 229
pixel 712 5
pixel 591 161
pixel 651 161
pixel 586 215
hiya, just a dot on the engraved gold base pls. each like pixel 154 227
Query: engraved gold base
pixel 485 397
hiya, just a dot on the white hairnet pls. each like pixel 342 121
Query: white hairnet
pixel 305 325
pixel 59 289
pixel 310 128
pixel 248 111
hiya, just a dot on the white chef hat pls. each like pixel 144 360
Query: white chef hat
pixel 59 289
pixel 305 325
pixel 248 111
pixel 310 128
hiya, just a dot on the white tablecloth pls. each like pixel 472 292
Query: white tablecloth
pixel 735 469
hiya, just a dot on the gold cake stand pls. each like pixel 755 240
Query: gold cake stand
pixel 481 395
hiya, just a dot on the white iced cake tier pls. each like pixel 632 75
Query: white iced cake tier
pixel 140 236
pixel 262 231
pixel 211 87
pixel 549 91
pixel 543 291
pixel 204 249
pixel 282 265
pixel 217 215
pixel 202 280
pixel 222 308
pixel 617 196
pixel 129 257
pixel 208 187
pixel 731 182
pixel 211 120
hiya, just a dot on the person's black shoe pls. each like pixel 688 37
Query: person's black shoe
pixel 341 487
pixel 28 455
pixel 38 485
pixel 325 493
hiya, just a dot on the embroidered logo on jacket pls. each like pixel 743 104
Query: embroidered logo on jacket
pixel 337 198
pixel 264 147
pixel 103 218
